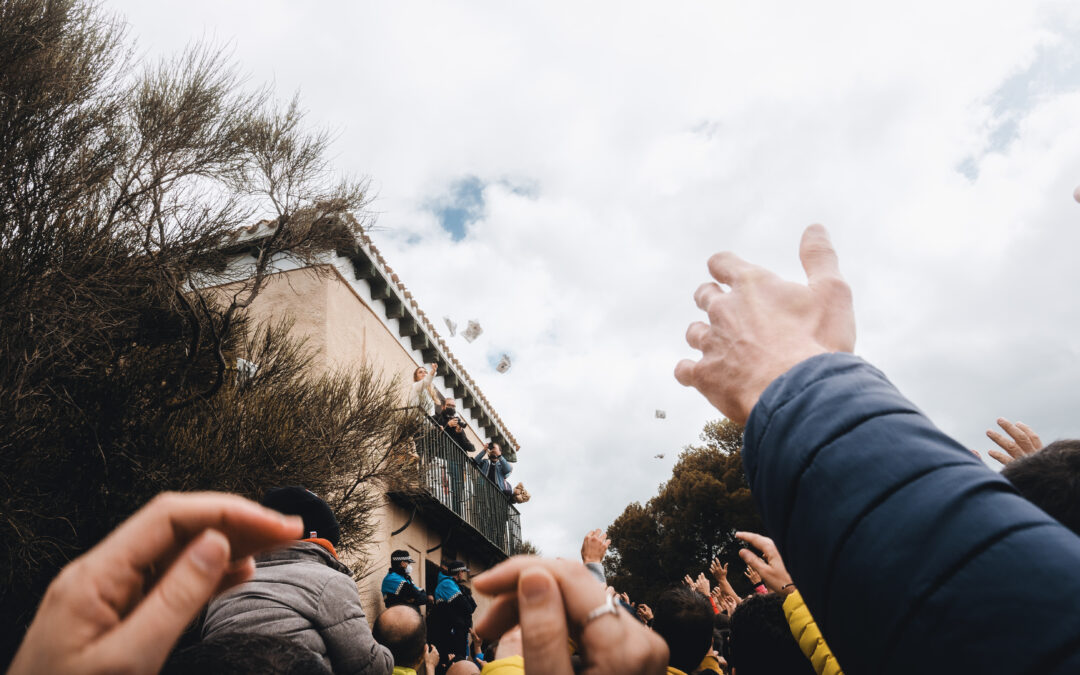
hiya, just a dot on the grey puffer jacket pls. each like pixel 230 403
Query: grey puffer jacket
pixel 305 594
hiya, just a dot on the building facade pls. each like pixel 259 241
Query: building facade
pixel 353 309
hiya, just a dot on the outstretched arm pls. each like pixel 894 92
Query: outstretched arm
pixel 894 533
pixel 101 614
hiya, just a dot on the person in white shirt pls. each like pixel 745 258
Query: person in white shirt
pixel 424 393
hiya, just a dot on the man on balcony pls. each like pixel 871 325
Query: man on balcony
pixel 495 467
pixel 398 587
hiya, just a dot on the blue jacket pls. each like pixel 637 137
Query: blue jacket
pixel 502 467
pixel 912 555
pixel 398 589
pixel 451 617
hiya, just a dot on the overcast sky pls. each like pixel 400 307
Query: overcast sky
pixel 561 171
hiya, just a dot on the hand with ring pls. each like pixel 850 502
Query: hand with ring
pixel 555 600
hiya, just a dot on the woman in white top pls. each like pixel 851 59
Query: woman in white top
pixel 424 393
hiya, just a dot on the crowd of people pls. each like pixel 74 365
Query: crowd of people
pixel 902 553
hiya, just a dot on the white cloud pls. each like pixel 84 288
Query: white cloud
pixel 653 135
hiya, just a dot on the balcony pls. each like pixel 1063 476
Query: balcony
pixel 463 497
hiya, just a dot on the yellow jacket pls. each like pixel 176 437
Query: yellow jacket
pixel 511 665
pixel 809 637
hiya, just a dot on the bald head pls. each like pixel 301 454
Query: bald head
pixel 463 668
pixel 401 630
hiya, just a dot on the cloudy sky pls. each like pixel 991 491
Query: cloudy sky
pixel 560 171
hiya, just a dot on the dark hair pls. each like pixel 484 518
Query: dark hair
pixel 317 515
pixel 684 618
pixel 761 639
pixel 1050 479
pixel 401 629
pixel 241 653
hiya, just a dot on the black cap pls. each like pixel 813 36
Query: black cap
pixel 455 566
pixel 401 555
pixel 319 520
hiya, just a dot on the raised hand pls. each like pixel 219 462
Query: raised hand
pixel 431 659
pixel 594 547
pixel 551 600
pixel 753 576
pixel 701 585
pixel 769 569
pixel 718 571
pixel 764 325
pixel 644 613
pixel 101 615
pixel 728 603
pixel 1020 442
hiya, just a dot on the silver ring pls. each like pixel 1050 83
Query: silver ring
pixel 607 608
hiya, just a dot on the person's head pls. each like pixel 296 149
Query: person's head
pixel 449 405
pixel 493 449
pixel 1050 479
pixel 401 630
pixel 761 639
pixel 237 653
pixel 458 570
pixel 319 520
pixel 463 668
pixel 419 374
pixel 684 618
pixel 401 561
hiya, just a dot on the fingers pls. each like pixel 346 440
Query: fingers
pixel 706 294
pixel 684 372
pixel 1006 444
pixel 1022 440
pixel 157 533
pixel 730 269
pixel 157 622
pixel 1022 434
pixel 543 622
pixel 171 520
pixel 818 256
pixel 501 616
pixel 696 334
pixel 1033 438
pixel 761 543
pixel 1000 456
pixel 579 588
pixel 754 562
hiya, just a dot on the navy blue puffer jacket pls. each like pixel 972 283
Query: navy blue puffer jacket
pixel 912 555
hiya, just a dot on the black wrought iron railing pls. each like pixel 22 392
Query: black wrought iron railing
pixel 454 480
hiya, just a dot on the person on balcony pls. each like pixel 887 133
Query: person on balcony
pixel 424 392
pixel 495 467
pixel 398 587
pixel 451 617
pixel 447 411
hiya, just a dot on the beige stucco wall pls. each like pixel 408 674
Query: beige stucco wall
pixel 347 332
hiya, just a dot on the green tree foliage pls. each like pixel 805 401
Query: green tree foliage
pixel 526 547
pixel 123 188
pixel 689 522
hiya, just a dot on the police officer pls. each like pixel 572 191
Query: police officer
pixel 451 617
pixel 398 587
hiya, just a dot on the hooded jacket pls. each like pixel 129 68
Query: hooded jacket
pixel 305 594
pixel 906 548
